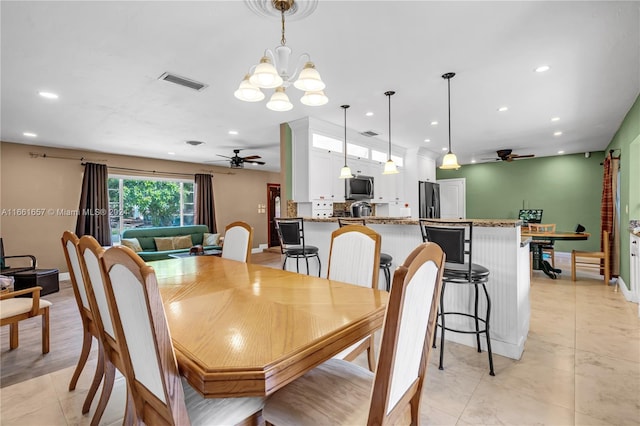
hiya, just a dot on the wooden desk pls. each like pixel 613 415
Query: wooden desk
pixel 549 236
pixel 242 329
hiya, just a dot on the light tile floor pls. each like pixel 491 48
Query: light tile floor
pixel 581 366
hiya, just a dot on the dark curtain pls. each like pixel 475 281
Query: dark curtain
pixel 93 211
pixel 608 214
pixel 205 210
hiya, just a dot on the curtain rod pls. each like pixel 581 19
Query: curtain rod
pixel 36 155
pixel 85 160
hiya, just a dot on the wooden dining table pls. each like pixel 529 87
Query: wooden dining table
pixel 539 238
pixel 241 329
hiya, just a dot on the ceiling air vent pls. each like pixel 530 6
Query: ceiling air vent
pixel 182 81
pixel 369 133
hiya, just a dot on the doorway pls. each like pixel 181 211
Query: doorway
pixel 273 209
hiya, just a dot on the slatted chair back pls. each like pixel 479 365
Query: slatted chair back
pixel 543 228
pixel 354 256
pixel 408 329
pixel 238 239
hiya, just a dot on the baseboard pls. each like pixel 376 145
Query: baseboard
pixel 260 249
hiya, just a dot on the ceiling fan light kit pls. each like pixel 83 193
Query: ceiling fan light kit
pixel 272 73
pixel 450 161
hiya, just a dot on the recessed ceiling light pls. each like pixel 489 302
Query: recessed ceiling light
pixel 30 135
pixel 369 114
pixel 555 119
pixel 233 132
pixel 560 152
pixel 444 148
pixel 543 68
pixel 427 140
pixel 503 109
pixel 558 133
pixel 171 153
pixel 473 161
pixel 48 95
pixel 434 123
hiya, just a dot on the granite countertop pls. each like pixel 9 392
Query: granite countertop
pixel 487 223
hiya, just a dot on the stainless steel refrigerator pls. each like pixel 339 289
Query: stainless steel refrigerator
pixel 429 199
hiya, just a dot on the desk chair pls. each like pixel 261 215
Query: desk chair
pixel 238 240
pixel 7 270
pixel 393 392
pixel 603 265
pixel 385 259
pixel 292 242
pixel 70 248
pixel 547 247
pixel 157 393
pixel 354 258
pixel 14 309
pixel 456 239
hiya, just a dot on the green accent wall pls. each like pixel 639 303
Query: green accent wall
pixel 568 188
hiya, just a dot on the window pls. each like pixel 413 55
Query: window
pixel 382 158
pixel 325 142
pixel 136 202
pixel 357 150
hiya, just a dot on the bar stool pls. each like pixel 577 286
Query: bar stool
pixel 459 269
pixel 291 235
pixel 385 259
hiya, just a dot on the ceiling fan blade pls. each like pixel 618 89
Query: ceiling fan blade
pixel 261 163
pixel 523 156
pixel 251 157
pixel 220 155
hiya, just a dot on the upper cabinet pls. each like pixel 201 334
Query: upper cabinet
pixel 317 155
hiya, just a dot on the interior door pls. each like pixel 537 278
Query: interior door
pixel 273 207
pixel 452 198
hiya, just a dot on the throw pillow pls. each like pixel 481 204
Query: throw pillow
pixel 182 242
pixel 132 243
pixel 164 243
pixel 210 239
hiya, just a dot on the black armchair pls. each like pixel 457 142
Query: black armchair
pixel 7 270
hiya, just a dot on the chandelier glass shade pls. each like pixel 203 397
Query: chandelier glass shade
pixel 345 171
pixel 279 101
pixel 390 166
pixel 450 161
pixel 272 72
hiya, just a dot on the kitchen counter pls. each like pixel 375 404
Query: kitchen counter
pixel 481 223
pixel 497 244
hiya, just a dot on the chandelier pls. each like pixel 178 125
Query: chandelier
pixel 273 73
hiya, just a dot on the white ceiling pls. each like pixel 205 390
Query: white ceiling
pixel 104 60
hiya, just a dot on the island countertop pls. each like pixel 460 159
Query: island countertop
pixel 380 220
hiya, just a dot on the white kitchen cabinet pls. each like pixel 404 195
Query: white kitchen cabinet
pixel 389 188
pixel 634 269
pixel 324 169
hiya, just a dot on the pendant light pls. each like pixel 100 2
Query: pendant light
pixel 389 167
pixel 345 172
pixel 449 162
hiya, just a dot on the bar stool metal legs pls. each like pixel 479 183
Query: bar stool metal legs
pixel 442 321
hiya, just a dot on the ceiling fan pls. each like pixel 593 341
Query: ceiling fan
pixel 506 155
pixel 237 162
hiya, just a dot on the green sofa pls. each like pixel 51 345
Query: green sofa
pixel 145 237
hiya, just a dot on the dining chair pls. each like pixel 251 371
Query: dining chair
pixel 14 309
pixel 578 258
pixel 238 239
pixel 547 246
pixel 354 258
pixel 385 259
pixel 292 242
pixel 91 253
pixel 343 393
pixel 157 393
pixel 70 248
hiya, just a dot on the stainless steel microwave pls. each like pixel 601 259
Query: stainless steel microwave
pixel 360 188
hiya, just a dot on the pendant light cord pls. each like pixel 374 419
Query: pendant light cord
pixel 283 41
pixel 449 103
pixel 389 94
pixel 345 133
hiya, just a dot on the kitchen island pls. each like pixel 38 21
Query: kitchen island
pixel 497 245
